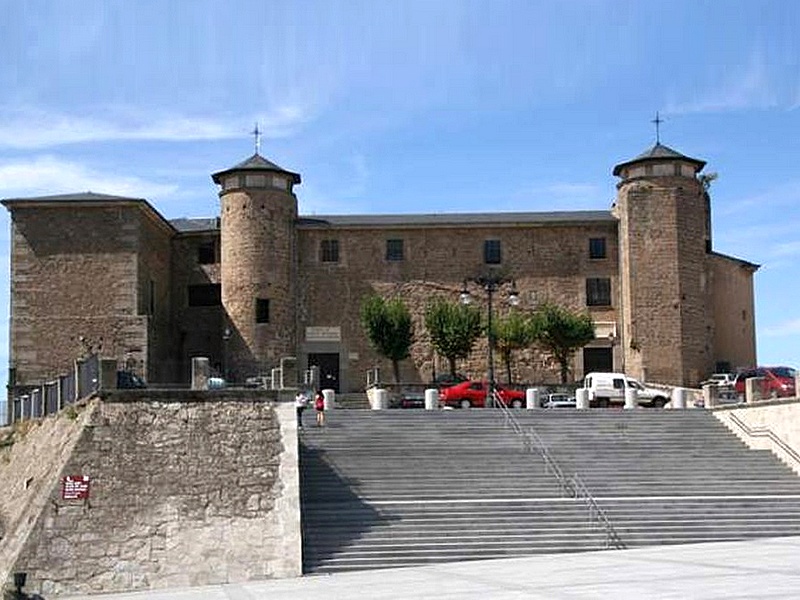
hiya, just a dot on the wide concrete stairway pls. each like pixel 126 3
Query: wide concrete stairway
pixel 406 487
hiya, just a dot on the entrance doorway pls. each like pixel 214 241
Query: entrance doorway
pixel 328 364
pixel 598 360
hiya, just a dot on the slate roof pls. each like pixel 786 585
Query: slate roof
pixel 187 225
pixel 75 197
pixel 459 219
pixel 659 152
pixel 255 163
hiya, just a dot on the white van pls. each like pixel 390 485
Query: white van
pixel 606 389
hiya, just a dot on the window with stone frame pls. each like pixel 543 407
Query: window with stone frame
pixel 329 251
pixel 394 250
pixel 492 252
pixel 207 253
pixel 597 247
pixel 598 291
pixel 262 310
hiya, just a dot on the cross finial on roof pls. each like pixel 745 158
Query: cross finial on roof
pixel 257 135
pixel 658 121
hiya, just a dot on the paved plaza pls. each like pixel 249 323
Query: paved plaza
pixel 765 568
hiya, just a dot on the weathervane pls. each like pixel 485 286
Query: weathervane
pixel 658 121
pixel 257 135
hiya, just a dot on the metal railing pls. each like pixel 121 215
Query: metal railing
pixel 572 486
pixel 766 432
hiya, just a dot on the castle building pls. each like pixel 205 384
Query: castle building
pixel 261 282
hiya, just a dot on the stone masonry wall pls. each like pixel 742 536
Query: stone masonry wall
pixel 187 488
pixel 548 262
pixel 74 273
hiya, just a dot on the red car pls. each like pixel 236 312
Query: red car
pixel 777 381
pixel 473 394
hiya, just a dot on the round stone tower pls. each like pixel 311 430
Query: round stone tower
pixel 664 236
pixel 258 265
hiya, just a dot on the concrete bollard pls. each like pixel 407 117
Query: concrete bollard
pixel 752 389
pixel 201 371
pixel 381 400
pixel 710 395
pixel 330 399
pixel 431 399
pixel 678 397
pixel 582 399
pixel 631 398
pixel 533 398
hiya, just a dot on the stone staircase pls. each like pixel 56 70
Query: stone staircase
pixel 408 487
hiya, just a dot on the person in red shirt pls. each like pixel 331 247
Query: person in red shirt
pixel 319 406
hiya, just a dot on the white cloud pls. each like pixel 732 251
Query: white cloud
pixel 750 87
pixel 786 328
pixel 50 175
pixel 36 128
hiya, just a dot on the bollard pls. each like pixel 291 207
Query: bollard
pixel 330 399
pixel 582 399
pixel 710 396
pixel 752 389
pixel 678 398
pixel 431 399
pixel 201 371
pixel 631 398
pixel 533 398
pixel 381 400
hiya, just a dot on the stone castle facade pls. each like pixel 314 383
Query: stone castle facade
pixel 261 282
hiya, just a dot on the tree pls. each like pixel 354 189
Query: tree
pixel 561 332
pixel 388 326
pixel 515 331
pixel 453 329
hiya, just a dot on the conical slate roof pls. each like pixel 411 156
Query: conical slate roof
pixel 255 163
pixel 659 152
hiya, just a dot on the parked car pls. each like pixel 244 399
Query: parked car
pixel 776 381
pixel 720 380
pixel 607 389
pixel 473 394
pixel 559 400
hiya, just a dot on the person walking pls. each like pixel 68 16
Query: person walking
pixel 319 406
pixel 300 403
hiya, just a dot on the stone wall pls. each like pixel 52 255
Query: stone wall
pixel 549 262
pixel 187 488
pixel 733 308
pixel 780 417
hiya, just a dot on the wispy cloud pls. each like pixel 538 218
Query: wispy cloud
pixel 787 328
pixel 751 86
pixel 36 128
pixel 51 175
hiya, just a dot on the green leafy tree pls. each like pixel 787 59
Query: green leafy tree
pixel 561 332
pixel 453 328
pixel 389 328
pixel 515 331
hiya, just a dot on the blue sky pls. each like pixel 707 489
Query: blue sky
pixel 414 106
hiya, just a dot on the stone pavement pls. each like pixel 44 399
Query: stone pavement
pixel 764 568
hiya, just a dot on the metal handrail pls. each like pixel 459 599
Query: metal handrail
pixel 573 486
pixel 766 432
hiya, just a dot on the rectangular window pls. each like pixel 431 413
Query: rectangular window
pixel 492 253
pixel 207 253
pixel 597 247
pixel 394 250
pixel 329 251
pixel 151 307
pixel 598 291
pixel 262 310
pixel 209 294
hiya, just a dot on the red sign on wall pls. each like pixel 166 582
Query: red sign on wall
pixel 75 487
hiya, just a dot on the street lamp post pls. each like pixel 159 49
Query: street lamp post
pixel 226 337
pixel 490 282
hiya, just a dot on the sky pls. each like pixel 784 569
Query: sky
pixel 414 107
